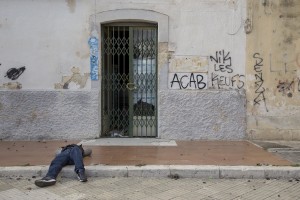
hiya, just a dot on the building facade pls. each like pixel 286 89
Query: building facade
pixel 173 69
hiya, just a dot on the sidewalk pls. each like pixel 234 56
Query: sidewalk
pixel 152 157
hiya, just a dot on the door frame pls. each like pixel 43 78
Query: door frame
pixel 130 26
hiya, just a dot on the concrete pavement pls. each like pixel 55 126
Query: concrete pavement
pixel 156 169
pixel 182 171
pixel 151 188
pixel 118 157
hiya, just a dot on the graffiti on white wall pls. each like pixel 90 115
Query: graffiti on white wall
pixel 94 57
pixel 14 73
pixel 188 81
pixel 223 75
pixel 222 62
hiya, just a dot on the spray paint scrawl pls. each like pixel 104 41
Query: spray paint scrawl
pixel 94 58
pixel 14 73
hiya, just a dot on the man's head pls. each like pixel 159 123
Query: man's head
pixel 85 151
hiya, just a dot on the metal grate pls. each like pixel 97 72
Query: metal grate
pixel 129 81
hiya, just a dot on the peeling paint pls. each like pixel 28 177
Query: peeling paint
pixel 11 86
pixel 75 81
pixel 275 38
pixel 188 64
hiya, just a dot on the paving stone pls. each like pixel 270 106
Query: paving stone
pixel 153 188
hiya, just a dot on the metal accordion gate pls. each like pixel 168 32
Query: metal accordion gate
pixel 129 80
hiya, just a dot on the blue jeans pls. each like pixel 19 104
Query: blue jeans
pixel 71 156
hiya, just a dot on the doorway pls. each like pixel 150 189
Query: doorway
pixel 129 80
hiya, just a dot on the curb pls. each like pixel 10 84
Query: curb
pixel 172 171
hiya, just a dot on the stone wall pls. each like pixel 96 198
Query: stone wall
pixel 40 115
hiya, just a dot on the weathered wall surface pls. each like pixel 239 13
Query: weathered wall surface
pixel 201 66
pixel 45 52
pixel 208 118
pixel 273 61
pixel 38 115
pixel 41 41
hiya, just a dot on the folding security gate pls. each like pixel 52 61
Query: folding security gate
pixel 129 80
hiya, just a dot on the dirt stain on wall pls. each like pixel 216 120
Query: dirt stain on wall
pixel 72 5
pixel 273 89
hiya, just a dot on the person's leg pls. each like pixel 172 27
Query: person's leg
pixel 55 167
pixel 76 158
pixel 58 163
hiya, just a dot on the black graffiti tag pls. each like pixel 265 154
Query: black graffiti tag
pixel 259 89
pixel 222 62
pixel 234 81
pixel 194 81
pixel 285 87
pixel 14 73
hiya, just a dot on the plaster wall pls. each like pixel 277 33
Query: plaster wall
pixel 202 36
pixel 273 52
pixel 50 39
pixel 198 29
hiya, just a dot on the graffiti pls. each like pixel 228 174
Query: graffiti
pixel 235 81
pixel 285 87
pixel 259 81
pixel 14 73
pixel 188 80
pixel 94 59
pixel 222 62
pixel 222 67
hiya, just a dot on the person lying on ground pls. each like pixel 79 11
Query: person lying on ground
pixel 71 154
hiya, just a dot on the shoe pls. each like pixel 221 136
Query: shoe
pixel 82 177
pixel 44 182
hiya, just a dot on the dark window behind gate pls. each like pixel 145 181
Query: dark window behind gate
pixel 129 80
